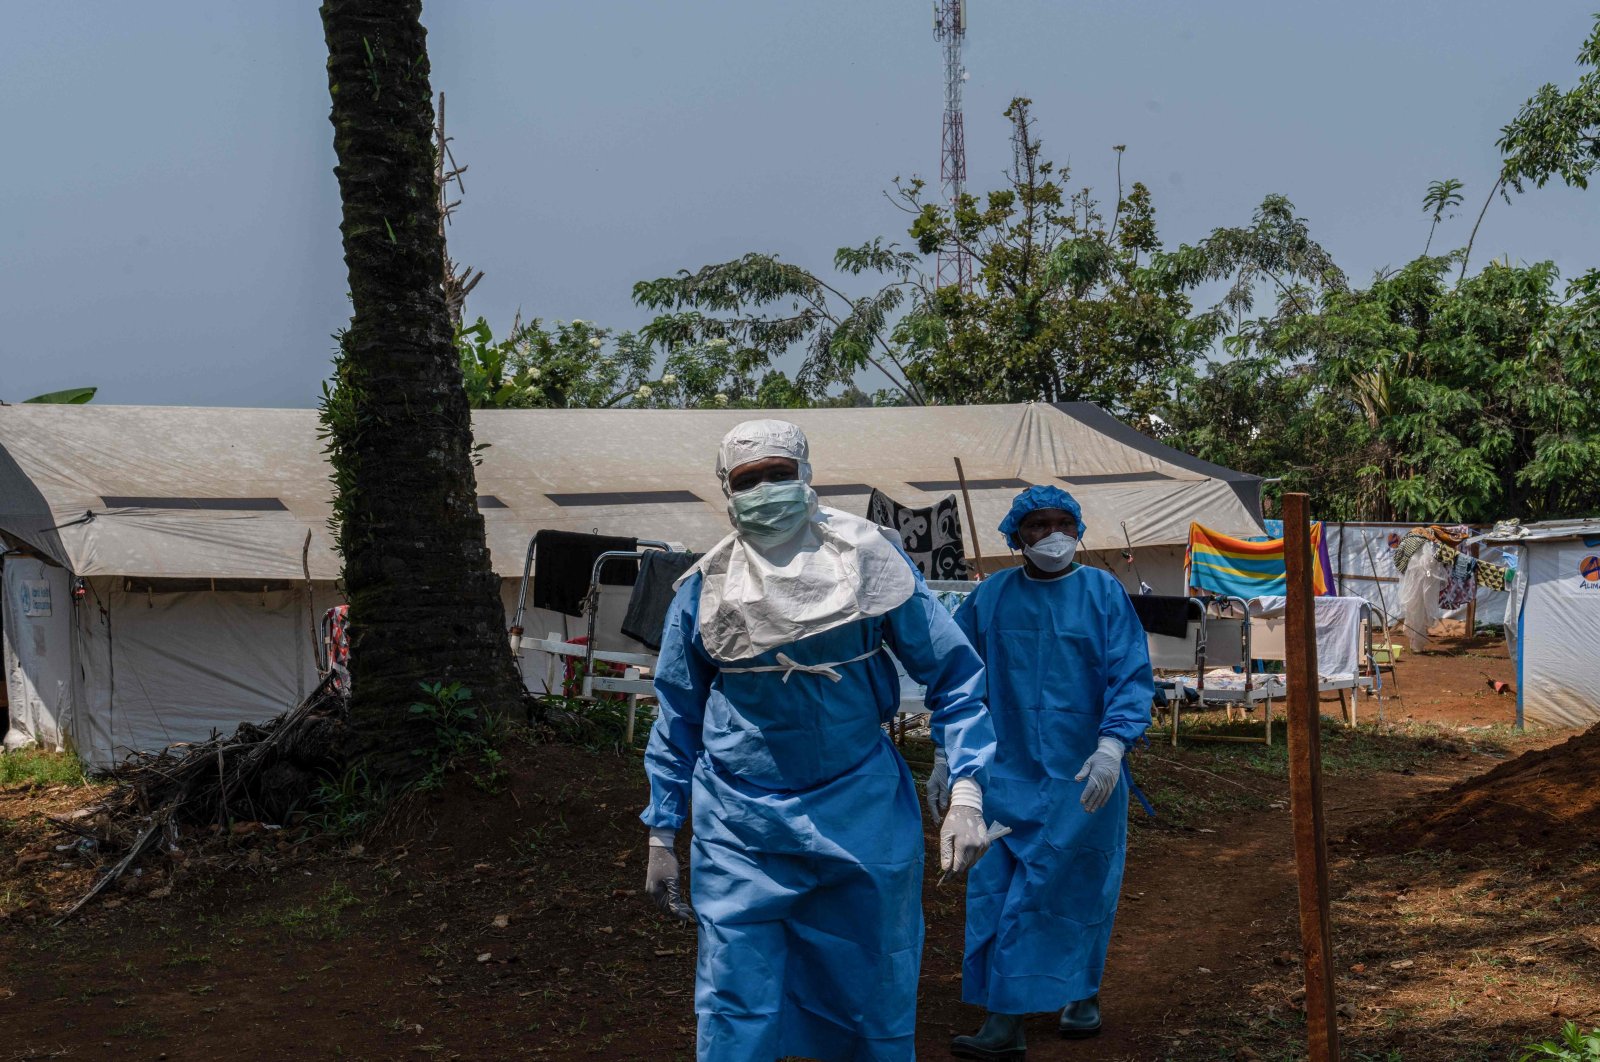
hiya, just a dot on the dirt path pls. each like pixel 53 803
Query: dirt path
pixel 1200 911
pixel 395 951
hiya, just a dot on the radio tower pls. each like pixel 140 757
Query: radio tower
pixel 950 29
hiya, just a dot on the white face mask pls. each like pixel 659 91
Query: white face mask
pixel 1053 553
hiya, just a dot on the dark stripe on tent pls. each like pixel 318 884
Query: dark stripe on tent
pixel 624 497
pixel 1112 477
pixel 253 505
pixel 489 501
pixel 1091 416
pixel 190 586
pixel 933 486
pixel 834 490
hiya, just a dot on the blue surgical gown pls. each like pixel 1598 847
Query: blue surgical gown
pixel 807 850
pixel 1067 663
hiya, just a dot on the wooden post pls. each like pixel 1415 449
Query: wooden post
pixel 972 522
pixel 1472 602
pixel 1305 781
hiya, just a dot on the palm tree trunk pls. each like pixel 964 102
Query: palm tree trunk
pixel 424 602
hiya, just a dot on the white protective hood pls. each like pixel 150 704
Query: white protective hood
pixel 841 568
pixel 838 569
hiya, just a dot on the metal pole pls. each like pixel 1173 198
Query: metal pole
pixel 1305 781
pixel 972 521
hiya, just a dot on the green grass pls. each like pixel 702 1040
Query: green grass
pixel 1366 749
pixel 321 919
pixel 41 767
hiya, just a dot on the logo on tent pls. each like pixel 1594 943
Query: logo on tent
pixel 1394 540
pixel 1589 568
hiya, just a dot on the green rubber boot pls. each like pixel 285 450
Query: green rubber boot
pixel 1000 1040
pixel 1081 1020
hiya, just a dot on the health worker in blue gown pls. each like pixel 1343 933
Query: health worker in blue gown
pixel 807 844
pixel 1069 690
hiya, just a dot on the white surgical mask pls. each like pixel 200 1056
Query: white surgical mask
pixel 1053 553
pixel 770 514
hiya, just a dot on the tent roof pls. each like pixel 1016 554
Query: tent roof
pixel 184 492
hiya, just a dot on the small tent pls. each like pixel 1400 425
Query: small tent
pixel 1553 621
pixel 166 565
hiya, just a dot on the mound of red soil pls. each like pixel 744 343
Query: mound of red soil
pixel 1548 798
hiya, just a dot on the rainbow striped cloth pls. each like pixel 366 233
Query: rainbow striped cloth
pixel 1238 567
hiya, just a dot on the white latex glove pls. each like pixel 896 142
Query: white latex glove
pixel 661 876
pixel 938 786
pixel 962 839
pixel 1102 770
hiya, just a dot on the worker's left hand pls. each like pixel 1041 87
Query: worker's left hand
pixel 1101 771
pixel 962 839
pixel 938 786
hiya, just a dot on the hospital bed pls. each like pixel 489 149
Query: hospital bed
pixel 1232 641
pixel 627 668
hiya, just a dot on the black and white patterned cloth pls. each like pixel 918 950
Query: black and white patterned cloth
pixel 931 536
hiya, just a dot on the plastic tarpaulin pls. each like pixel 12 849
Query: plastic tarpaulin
pixel 37 621
pixel 1558 651
pixel 175 667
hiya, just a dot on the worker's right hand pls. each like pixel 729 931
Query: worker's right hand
pixel 962 839
pixel 661 883
pixel 938 786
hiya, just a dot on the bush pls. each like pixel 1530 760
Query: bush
pixel 1575 1046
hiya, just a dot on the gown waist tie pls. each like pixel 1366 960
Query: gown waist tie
pixel 789 666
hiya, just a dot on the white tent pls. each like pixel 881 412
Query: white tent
pixel 189 551
pixel 1553 621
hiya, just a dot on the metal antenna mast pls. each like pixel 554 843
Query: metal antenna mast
pixel 950 29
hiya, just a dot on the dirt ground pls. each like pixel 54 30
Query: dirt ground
pixel 478 926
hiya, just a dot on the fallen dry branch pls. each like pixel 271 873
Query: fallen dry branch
pixel 261 773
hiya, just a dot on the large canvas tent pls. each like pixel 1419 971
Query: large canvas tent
pixel 1553 621
pixel 184 552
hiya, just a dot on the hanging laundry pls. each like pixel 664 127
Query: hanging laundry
pixel 653 593
pixel 1494 576
pixel 335 631
pixel 1408 548
pixel 1237 567
pixel 931 536
pixel 563 562
pixel 1162 614
pixel 1460 584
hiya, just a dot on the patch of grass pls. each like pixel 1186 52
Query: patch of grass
pixel 598 726
pixel 144 1030
pixel 1367 748
pixel 188 958
pixel 320 919
pixel 41 767
pixel 349 805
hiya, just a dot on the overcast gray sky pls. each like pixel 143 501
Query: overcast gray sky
pixel 170 218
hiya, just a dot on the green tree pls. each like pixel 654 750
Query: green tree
pixel 1471 396
pixel 1442 196
pixel 761 307
pixel 572 365
pixel 1067 305
pixel 579 365
pixel 1557 133
pixel 424 602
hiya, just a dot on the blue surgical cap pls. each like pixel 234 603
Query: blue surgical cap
pixel 1033 499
